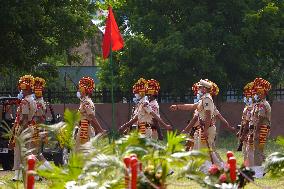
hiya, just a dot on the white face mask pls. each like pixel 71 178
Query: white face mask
pixel 200 93
pixel 78 94
pixel 20 95
pixel 195 100
pixel 245 100
pixel 135 100
pixel 256 98
pixel 137 96
pixel 146 98
pixel 198 96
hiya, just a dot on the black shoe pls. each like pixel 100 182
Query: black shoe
pixel 15 180
pixel 170 172
pixel 38 179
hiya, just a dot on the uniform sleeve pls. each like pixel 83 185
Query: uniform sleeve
pixel 195 113
pixel 25 107
pixel 216 112
pixel 208 104
pixel 155 107
pixel 32 108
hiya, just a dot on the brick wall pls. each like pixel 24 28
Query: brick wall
pixel 230 110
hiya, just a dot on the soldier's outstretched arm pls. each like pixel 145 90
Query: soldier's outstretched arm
pixel 225 123
pixel 96 124
pixel 128 124
pixel 190 124
pixel 164 125
pixel 188 107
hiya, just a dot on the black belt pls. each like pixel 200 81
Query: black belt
pixel 251 127
pixel 193 129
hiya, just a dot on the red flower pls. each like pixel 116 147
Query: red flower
pixel 223 178
pixel 213 169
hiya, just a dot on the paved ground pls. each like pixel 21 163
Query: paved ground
pixel 4 173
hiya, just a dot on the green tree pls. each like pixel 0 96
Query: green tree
pixel 33 30
pixel 179 42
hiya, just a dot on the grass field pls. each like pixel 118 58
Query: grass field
pixel 223 144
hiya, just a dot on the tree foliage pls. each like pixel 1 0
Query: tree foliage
pixel 179 42
pixel 33 30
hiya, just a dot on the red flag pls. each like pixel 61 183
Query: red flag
pixel 112 35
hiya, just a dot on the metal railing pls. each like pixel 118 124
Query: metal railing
pixel 104 96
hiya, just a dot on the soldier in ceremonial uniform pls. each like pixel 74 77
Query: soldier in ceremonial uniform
pixel 136 100
pixel 261 118
pixel 196 131
pixel 206 111
pixel 246 134
pixel 87 111
pixel 152 91
pixel 193 127
pixel 39 118
pixel 25 113
pixel 205 108
pixel 144 114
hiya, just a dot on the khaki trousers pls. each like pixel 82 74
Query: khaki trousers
pixel 18 160
pixel 200 143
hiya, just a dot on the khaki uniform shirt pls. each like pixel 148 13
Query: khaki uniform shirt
pixel 215 114
pixel 205 103
pixel 87 108
pixel 261 110
pixel 143 111
pixel 246 116
pixel 155 107
pixel 27 107
pixel 41 107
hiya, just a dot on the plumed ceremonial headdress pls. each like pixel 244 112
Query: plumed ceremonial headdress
pixel 248 90
pixel 153 87
pixel 214 89
pixel 26 82
pixel 140 86
pixel 87 85
pixel 204 83
pixel 39 84
pixel 194 88
pixel 261 86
